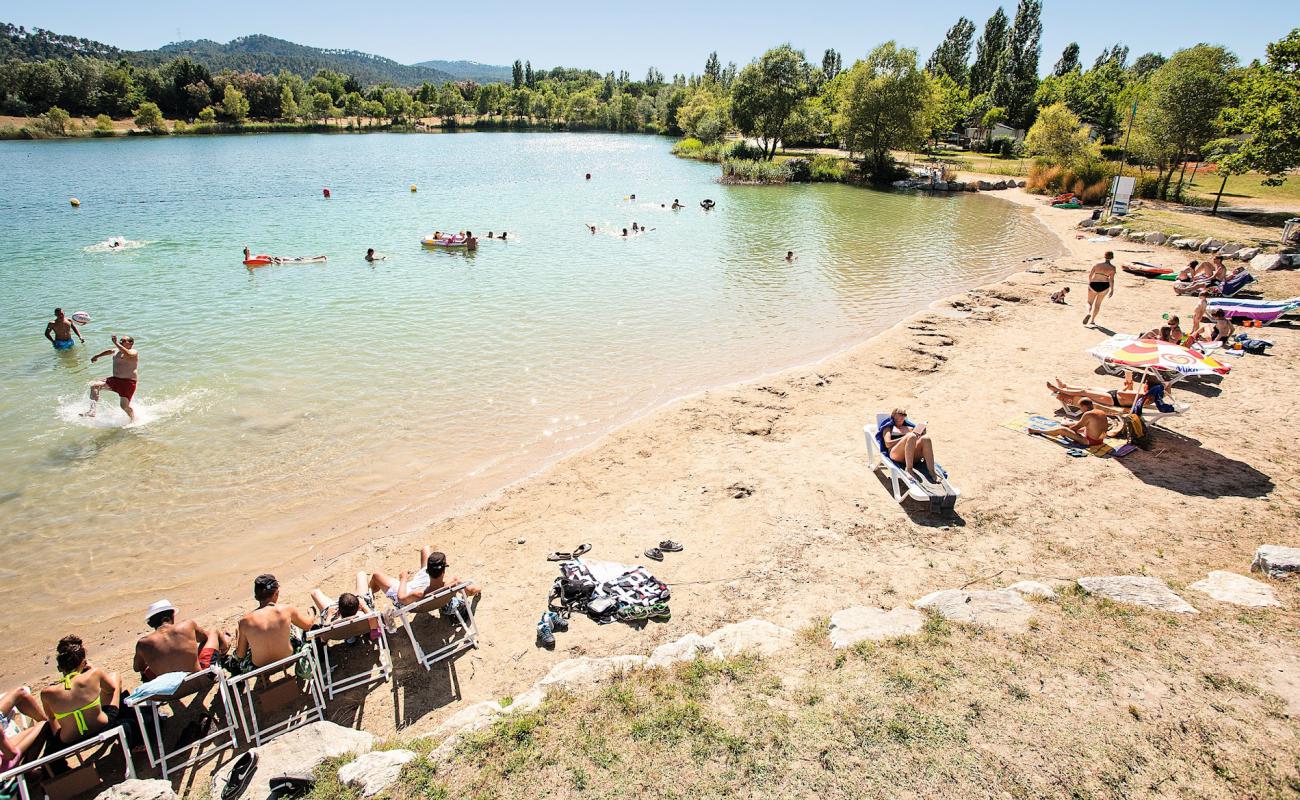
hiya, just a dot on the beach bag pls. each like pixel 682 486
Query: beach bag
pixel 1136 431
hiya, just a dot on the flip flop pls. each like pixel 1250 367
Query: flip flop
pixel 241 774
pixel 1075 452
pixel 655 553
pixel 581 550
pixel 669 546
pixel 560 556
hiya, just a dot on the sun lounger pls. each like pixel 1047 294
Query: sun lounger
pixel 329 675
pixel 221 733
pixel 940 496
pixel 274 688
pixel 96 770
pixel 461 613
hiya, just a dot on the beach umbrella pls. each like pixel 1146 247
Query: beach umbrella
pixel 1143 355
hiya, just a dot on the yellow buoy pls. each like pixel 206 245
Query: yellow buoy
pixel 413 187
pixel 75 202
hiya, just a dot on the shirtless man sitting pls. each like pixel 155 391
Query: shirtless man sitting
pixel 265 635
pixel 175 646
pixel 126 363
pixel 1090 430
pixel 429 579
pixel 60 331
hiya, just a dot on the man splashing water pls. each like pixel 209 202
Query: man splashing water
pixel 126 361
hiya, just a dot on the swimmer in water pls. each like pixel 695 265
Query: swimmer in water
pixel 633 197
pixel 60 331
pixel 126 362
pixel 789 255
pixel 676 204
pixel 625 231
pixel 247 253
pixel 502 237
pixel 635 228
pixel 372 257
pixel 592 228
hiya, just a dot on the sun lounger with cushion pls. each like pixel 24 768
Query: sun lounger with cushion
pixel 940 496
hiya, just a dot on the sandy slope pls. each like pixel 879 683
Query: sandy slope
pixel 767 485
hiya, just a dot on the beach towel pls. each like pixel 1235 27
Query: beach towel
pixel 161 685
pixel 1111 447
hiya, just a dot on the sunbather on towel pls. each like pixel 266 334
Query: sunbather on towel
pixel 175 646
pixel 348 605
pixel 266 633
pixel 907 443
pixel 1090 430
pixel 86 700
pixel 15 742
pixel 1112 401
pixel 429 579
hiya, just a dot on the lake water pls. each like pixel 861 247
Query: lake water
pixel 275 402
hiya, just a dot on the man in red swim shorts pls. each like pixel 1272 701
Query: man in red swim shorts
pixel 175 646
pixel 126 362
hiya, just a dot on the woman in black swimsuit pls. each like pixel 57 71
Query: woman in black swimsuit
pixel 1101 284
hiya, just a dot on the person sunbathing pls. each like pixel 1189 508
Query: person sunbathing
pixel 266 634
pixel 429 579
pixel 348 605
pixel 16 742
pixel 86 700
pixel 1113 400
pixel 906 443
pixel 1090 430
pixel 175 646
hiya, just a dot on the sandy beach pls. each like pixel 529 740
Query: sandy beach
pixel 767 485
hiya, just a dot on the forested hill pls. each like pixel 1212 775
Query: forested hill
pixel 471 71
pixel 25 45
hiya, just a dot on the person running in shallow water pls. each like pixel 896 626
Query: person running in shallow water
pixel 60 331
pixel 126 362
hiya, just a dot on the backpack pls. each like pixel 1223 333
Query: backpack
pixel 1136 431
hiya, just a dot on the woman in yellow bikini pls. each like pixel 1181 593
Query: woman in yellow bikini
pixel 86 700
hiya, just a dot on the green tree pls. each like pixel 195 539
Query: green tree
pixel 886 106
pixel 1016 79
pixel 55 121
pixel 1069 60
pixel 103 125
pixel 1058 137
pixel 529 78
pixel 234 105
pixel 768 92
pixel 1184 100
pixel 713 68
pixel 703 115
pixel 288 105
pixel 987 52
pixel 149 117
pixel 517 73
pixel 991 118
pixel 952 56
pixel 832 64
pixel 1266 115
pixel 208 115
pixel 951 105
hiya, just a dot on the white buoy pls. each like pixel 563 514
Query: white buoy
pixel 75 202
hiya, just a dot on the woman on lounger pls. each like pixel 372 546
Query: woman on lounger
pixel 86 700
pixel 15 741
pixel 906 442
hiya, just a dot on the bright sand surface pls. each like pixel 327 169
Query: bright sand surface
pixel 767 485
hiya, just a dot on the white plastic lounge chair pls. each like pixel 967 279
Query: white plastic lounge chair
pixel 79 781
pixel 328 675
pixel 464 617
pixel 940 496
pixel 221 734
pixel 273 688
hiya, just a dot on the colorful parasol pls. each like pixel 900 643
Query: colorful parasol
pixel 1152 354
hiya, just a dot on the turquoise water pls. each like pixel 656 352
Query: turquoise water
pixel 279 401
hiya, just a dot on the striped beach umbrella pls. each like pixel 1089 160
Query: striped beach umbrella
pixel 1152 354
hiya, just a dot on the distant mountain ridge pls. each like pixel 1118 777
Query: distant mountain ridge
pixel 256 53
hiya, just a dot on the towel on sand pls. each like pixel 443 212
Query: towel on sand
pixel 1026 420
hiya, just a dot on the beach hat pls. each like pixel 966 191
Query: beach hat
pixel 158 608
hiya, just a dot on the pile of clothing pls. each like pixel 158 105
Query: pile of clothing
pixel 607 591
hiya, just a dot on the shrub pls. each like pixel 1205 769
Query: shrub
pixel 739 170
pixel 1112 152
pixel 745 151
pixel 103 125
pixel 947 174
pixel 825 168
pixel 54 122
pixel 800 169
pixel 1147 186
pixel 1044 178
pixel 179 126
pixel 1094 193
pixel 689 147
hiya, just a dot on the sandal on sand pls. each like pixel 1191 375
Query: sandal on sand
pixel 241 774
pixel 655 553
pixel 669 546
pixel 581 550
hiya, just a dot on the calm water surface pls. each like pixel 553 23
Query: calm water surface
pixel 274 400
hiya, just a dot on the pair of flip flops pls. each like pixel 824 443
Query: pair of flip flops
pixel 560 555
pixel 282 786
pixel 666 546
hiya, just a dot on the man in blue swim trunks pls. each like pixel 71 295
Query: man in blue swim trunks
pixel 60 331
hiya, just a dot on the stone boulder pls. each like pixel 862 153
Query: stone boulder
pixel 688 648
pixel 984 186
pixel 297 751
pixel 1088 223
pixel 1186 244
pixel 1137 590
pixel 997 609
pixel 1276 561
pixel 1265 262
pixel 1211 245
pixel 474 717
pixel 1115 230
pixel 1135 236
pixel 1156 237
pixel 374 772
pixel 1033 589
pixel 1246 253
pixel 956 186
pixel 940 186
pixel 972 187
pixel 1229 587
pixel 584 672
pixel 860 623
pixel 1000 185
pixel 139 790
pixel 1020 184
pixel 1230 248
pixel 754 635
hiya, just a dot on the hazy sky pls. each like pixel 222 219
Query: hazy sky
pixel 671 35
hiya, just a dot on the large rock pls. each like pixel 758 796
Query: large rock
pixel 374 772
pixel 1137 590
pixel 1229 587
pixel 474 717
pixel 1115 230
pixel 1156 237
pixel 1088 223
pixel 688 648
pixel 1136 236
pixel 1265 262
pixel 139 790
pixel 1276 560
pixel 972 187
pixel 1230 248
pixel 1246 253
pixel 956 186
pixel 297 751
pixel 1000 185
pixel 860 623
pixel 984 186
pixel 1033 589
pixel 1211 245
pixel 1186 244
pixel 754 635
pixel 940 186
pixel 584 672
pixel 996 609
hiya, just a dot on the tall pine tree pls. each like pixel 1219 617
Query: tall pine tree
pixel 517 73
pixel 1016 78
pixel 952 56
pixel 1069 60
pixel 832 63
pixel 987 50
pixel 713 68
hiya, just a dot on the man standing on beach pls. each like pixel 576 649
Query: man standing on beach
pixel 1101 284
pixel 126 362
pixel 60 331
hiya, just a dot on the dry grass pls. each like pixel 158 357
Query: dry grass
pixel 1153 217
pixel 1097 700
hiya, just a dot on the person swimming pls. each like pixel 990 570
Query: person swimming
pixel 635 228
pixel 592 228
pixel 676 204
pixel 372 257
pixel 502 237
pixel 625 232
pixel 789 255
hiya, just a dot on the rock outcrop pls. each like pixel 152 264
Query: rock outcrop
pixel 139 790
pixel 295 752
pixel 1229 587
pixel 997 609
pixel 1276 561
pixel 860 624
pixel 1137 590
pixel 754 635
pixel 374 772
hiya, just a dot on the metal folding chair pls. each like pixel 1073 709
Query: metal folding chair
pixel 327 674
pixel 83 778
pixel 464 617
pixel 194 684
pixel 261 689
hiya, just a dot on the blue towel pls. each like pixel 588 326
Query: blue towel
pixel 162 685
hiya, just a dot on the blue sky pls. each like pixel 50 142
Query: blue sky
pixel 671 35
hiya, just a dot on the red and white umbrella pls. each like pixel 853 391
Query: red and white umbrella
pixel 1153 354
